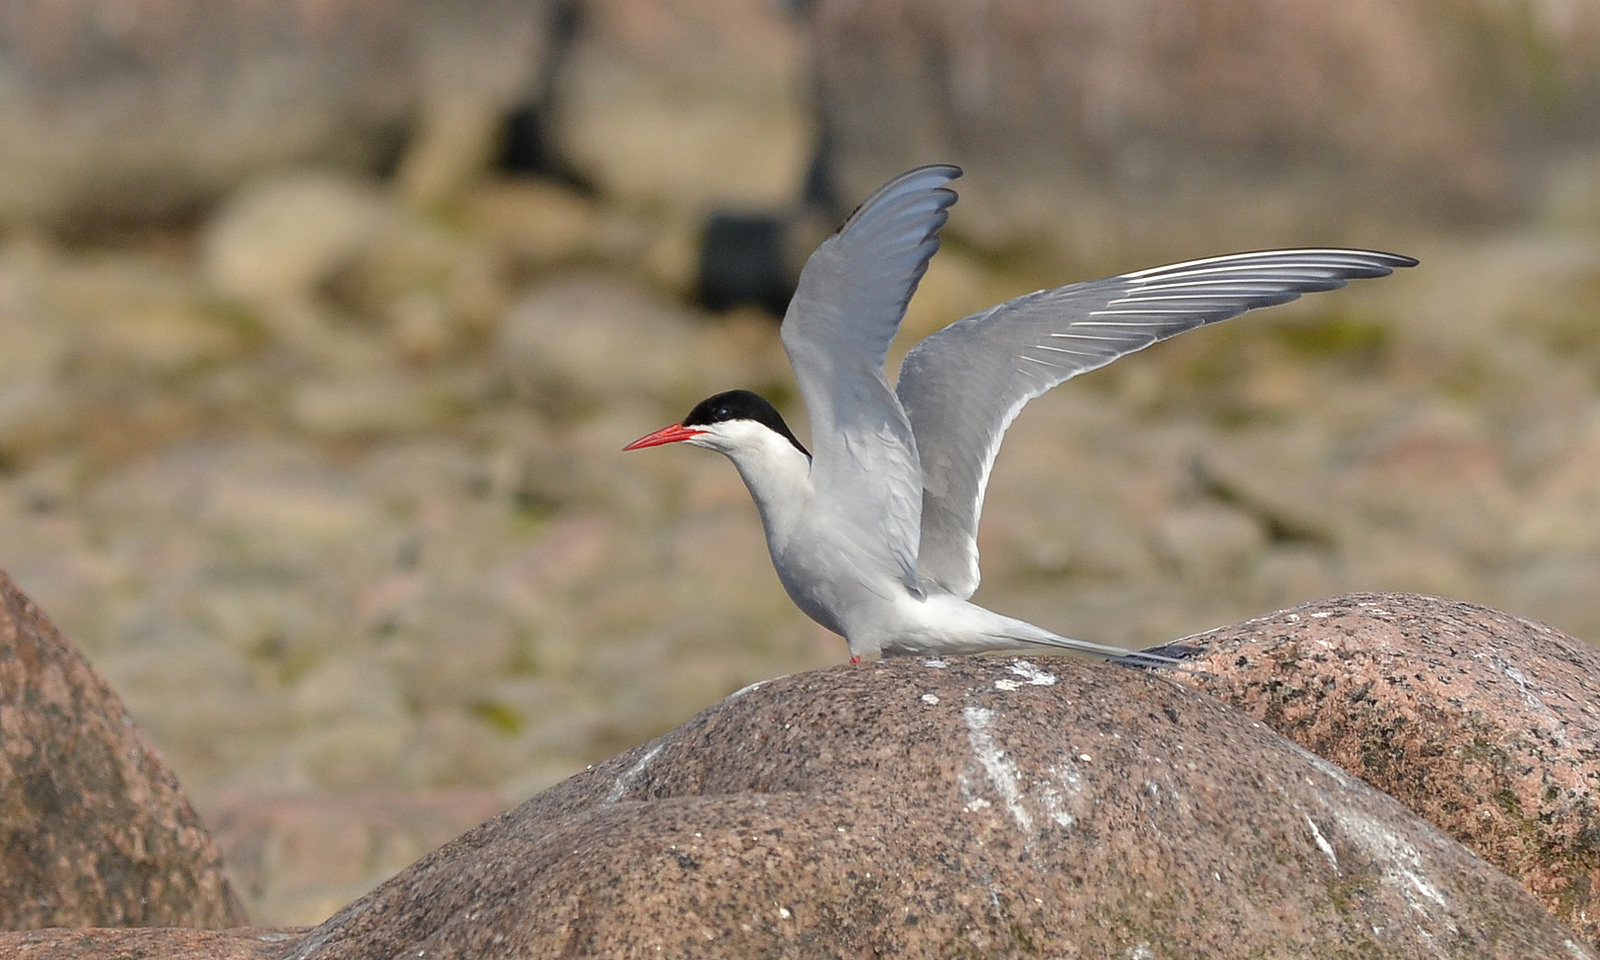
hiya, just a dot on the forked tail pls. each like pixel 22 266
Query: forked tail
pixel 1027 635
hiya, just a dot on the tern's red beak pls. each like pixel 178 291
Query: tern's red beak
pixel 673 434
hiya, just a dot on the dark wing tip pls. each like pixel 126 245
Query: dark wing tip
pixel 932 175
pixel 1377 263
pixel 1337 263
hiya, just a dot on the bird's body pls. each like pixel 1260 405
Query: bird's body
pixel 875 535
pixel 834 572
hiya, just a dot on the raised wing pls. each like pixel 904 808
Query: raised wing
pixel 963 386
pixel 848 306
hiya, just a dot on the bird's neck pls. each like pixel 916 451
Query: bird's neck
pixel 778 477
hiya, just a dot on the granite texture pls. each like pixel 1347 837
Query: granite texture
pixel 149 943
pixel 1483 723
pixel 94 829
pixel 980 807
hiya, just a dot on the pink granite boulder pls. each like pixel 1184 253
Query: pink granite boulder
pixel 1485 724
pixel 990 807
pixel 94 830
pixel 149 943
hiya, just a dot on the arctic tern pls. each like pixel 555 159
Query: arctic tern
pixel 874 534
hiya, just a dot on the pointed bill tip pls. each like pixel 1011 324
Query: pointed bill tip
pixel 674 434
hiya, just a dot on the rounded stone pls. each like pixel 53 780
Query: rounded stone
pixel 1483 723
pixel 94 830
pixel 991 806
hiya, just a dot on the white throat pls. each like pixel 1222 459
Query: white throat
pixel 774 470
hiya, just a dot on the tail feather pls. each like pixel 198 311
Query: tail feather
pixel 951 625
pixel 1029 636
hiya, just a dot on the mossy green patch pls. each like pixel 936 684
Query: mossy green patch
pixel 1336 336
pixel 499 717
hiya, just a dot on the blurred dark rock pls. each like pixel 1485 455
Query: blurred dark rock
pixel 742 263
pixel 1485 724
pixel 94 830
pixel 157 943
pixel 528 147
pixel 982 805
pixel 1099 124
pixel 156 108
pixel 477 64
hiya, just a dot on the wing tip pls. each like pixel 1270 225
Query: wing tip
pixel 930 177
pixel 945 171
pixel 1347 263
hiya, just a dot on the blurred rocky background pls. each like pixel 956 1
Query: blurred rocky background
pixel 322 326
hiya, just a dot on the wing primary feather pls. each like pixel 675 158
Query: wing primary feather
pixel 958 428
pixel 846 309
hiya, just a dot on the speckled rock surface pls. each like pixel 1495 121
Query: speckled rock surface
pixel 94 830
pixel 981 807
pixel 1486 724
pixel 152 943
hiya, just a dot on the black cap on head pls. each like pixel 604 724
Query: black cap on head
pixel 741 405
